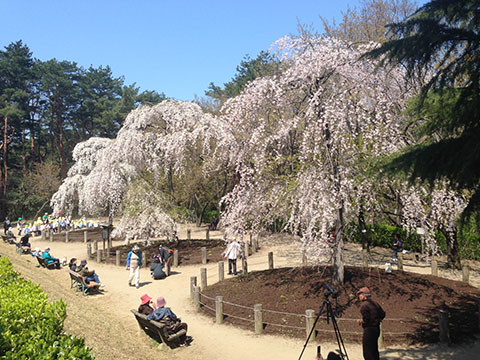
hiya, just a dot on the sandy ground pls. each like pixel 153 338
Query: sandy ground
pixel 111 330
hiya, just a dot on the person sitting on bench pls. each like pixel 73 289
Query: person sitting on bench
pixel 50 259
pixel 145 307
pixel 165 315
pixel 10 234
pixel 26 247
pixel 89 275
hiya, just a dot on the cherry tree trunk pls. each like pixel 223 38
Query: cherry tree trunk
pixel 338 265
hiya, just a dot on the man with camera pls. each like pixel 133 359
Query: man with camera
pixel 372 316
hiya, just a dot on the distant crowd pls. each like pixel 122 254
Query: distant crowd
pixel 54 222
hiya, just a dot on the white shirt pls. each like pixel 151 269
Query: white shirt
pixel 233 250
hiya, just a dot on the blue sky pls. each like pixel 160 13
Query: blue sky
pixel 175 47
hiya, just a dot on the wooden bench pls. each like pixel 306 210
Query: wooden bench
pixel 159 330
pixel 43 263
pixel 8 240
pixel 78 281
pixel 20 250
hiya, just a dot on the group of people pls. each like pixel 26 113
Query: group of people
pixel 159 312
pixel 54 222
pixel 89 275
pixel 159 269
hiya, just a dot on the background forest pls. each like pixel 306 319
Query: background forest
pixel 358 133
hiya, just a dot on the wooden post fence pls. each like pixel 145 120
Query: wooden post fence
pixel 443 326
pixel 434 267
pixel 400 261
pixel 221 271
pixel 67 233
pixel 204 255
pixel 196 298
pixel 207 234
pixel 117 257
pixel 381 340
pixel 219 309
pixel 85 236
pixel 258 315
pixel 99 255
pixel 95 245
pixel 193 283
pixel 465 273
pixel 44 235
pixel 304 258
pixel 175 257
pixel 365 258
pixel 89 251
pixel 309 321
pixel 51 236
pixel 270 260
pixel 245 265
pixel 203 278
pixel 189 234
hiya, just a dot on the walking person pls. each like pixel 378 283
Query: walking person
pixel 232 253
pixel 134 263
pixel 372 316
pixel 6 225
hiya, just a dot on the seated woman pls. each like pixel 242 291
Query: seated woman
pixel 50 259
pixel 26 247
pixel 174 324
pixel 10 233
pixel 156 269
pixel 72 265
pixel 145 307
pixel 89 275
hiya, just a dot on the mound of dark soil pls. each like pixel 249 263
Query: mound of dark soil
pixel 411 302
pixel 189 251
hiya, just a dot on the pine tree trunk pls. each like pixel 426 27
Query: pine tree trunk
pixel 5 165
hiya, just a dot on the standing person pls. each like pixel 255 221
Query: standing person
pixel 20 225
pixel 6 225
pixel 396 247
pixel 134 263
pixel 372 316
pixel 166 256
pixel 231 253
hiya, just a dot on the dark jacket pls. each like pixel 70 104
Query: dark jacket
pixel 157 271
pixel 372 313
pixel 145 309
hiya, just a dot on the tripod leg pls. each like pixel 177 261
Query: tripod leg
pixel 338 335
pixel 313 328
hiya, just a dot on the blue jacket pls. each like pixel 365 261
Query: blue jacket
pixel 161 313
pixel 48 257
pixel 139 254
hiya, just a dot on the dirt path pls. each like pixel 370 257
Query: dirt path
pixel 111 331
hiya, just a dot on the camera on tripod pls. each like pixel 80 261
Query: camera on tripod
pixel 330 291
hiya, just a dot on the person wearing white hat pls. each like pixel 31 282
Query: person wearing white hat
pixel 134 263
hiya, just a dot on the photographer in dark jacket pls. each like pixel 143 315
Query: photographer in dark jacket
pixel 372 316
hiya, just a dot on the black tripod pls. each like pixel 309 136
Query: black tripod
pixel 330 314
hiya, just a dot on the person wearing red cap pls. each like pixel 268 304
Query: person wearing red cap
pixel 372 316
pixel 145 307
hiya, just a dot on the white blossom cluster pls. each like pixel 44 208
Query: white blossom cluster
pixel 303 137
pixel 118 176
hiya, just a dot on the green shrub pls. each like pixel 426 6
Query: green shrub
pixel 31 327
